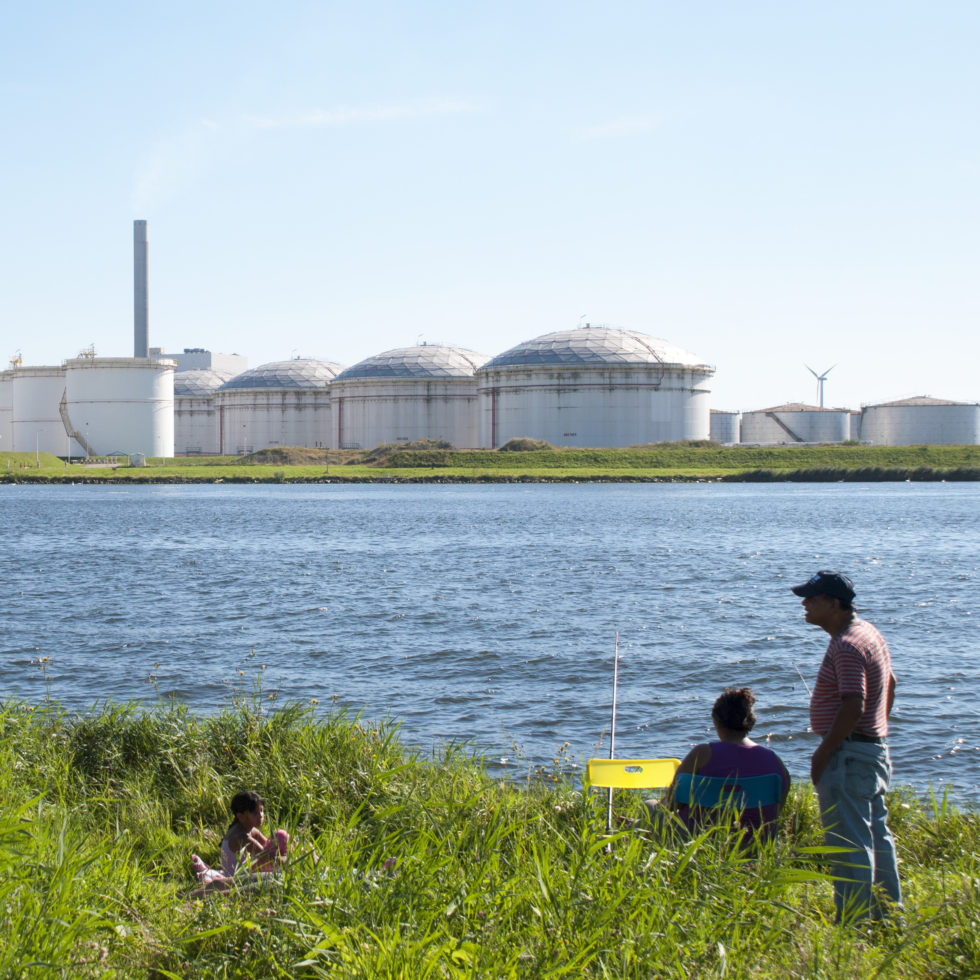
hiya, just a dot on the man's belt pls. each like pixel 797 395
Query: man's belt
pixel 861 737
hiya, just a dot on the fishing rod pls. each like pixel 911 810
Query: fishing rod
pixel 612 730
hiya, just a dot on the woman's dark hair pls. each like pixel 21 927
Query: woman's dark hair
pixel 734 709
pixel 246 802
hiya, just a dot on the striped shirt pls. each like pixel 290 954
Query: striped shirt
pixel 857 664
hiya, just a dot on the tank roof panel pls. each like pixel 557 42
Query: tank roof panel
pixel 300 372
pixel 589 345
pixel 199 383
pixel 422 361
pixel 920 401
pixel 797 407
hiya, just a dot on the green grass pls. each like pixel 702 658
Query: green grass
pixel 668 461
pixel 101 812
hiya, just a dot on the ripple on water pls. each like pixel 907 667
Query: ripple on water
pixel 488 614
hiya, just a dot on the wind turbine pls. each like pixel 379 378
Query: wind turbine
pixel 821 378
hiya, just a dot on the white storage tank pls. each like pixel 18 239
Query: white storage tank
pixel 282 403
pixel 594 386
pixel 6 411
pixel 195 416
pixel 795 423
pixel 36 397
pixel 921 421
pixel 422 392
pixel 121 405
pixel 725 426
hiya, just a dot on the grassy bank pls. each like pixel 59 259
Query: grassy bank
pixel 668 461
pixel 101 812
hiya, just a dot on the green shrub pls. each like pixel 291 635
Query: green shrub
pixel 524 445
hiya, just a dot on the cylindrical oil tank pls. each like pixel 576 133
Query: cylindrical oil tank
pixel 787 424
pixel 282 403
pixel 594 386
pixel 921 421
pixel 6 411
pixel 37 393
pixel 195 416
pixel 856 426
pixel 725 426
pixel 422 392
pixel 122 405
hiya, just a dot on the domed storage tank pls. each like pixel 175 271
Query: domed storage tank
pixel 6 411
pixel 725 426
pixel 921 421
pixel 795 423
pixel 594 386
pixel 195 416
pixel 36 394
pixel 282 403
pixel 121 405
pixel 423 392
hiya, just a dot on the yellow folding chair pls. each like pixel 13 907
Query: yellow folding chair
pixel 613 774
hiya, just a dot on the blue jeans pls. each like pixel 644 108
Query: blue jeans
pixel 851 792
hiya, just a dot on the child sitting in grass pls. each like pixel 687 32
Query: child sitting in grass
pixel 243 846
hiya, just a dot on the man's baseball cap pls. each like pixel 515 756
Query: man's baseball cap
pixel 832 584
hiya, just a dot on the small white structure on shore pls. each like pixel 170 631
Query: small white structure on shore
pixel 921 421
pixel 594 386
pixel 422 392
pixel 282 403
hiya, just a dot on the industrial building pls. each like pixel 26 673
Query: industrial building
pixel 921 421
pixel 120 405
pixel 725 427
pixel 196 431
pixel 795 423
pixel 36 426
pixel 422 392
pixel 282 403
pixel 201 359
pixel 590 386
pixel 594 386
pixel 6 411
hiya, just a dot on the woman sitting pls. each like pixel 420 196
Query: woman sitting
pixel 734 755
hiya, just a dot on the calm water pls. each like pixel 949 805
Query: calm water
pixel 487 614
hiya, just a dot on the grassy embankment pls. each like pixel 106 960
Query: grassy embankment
pixel 101 813
pixel 668 461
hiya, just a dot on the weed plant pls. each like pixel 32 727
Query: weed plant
pixel 102 810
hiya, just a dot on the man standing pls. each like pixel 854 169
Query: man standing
pixel 851 767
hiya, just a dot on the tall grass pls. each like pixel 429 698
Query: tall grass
pixel 657 462
pixel 101 812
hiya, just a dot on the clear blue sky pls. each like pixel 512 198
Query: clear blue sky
pixel 766 184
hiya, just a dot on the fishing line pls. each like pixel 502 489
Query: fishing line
pixel 612 730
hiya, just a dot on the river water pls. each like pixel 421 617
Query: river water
pixel 488 614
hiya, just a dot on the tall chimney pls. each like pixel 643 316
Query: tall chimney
pixel 141 300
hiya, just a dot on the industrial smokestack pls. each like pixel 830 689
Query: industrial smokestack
pixel 141 299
